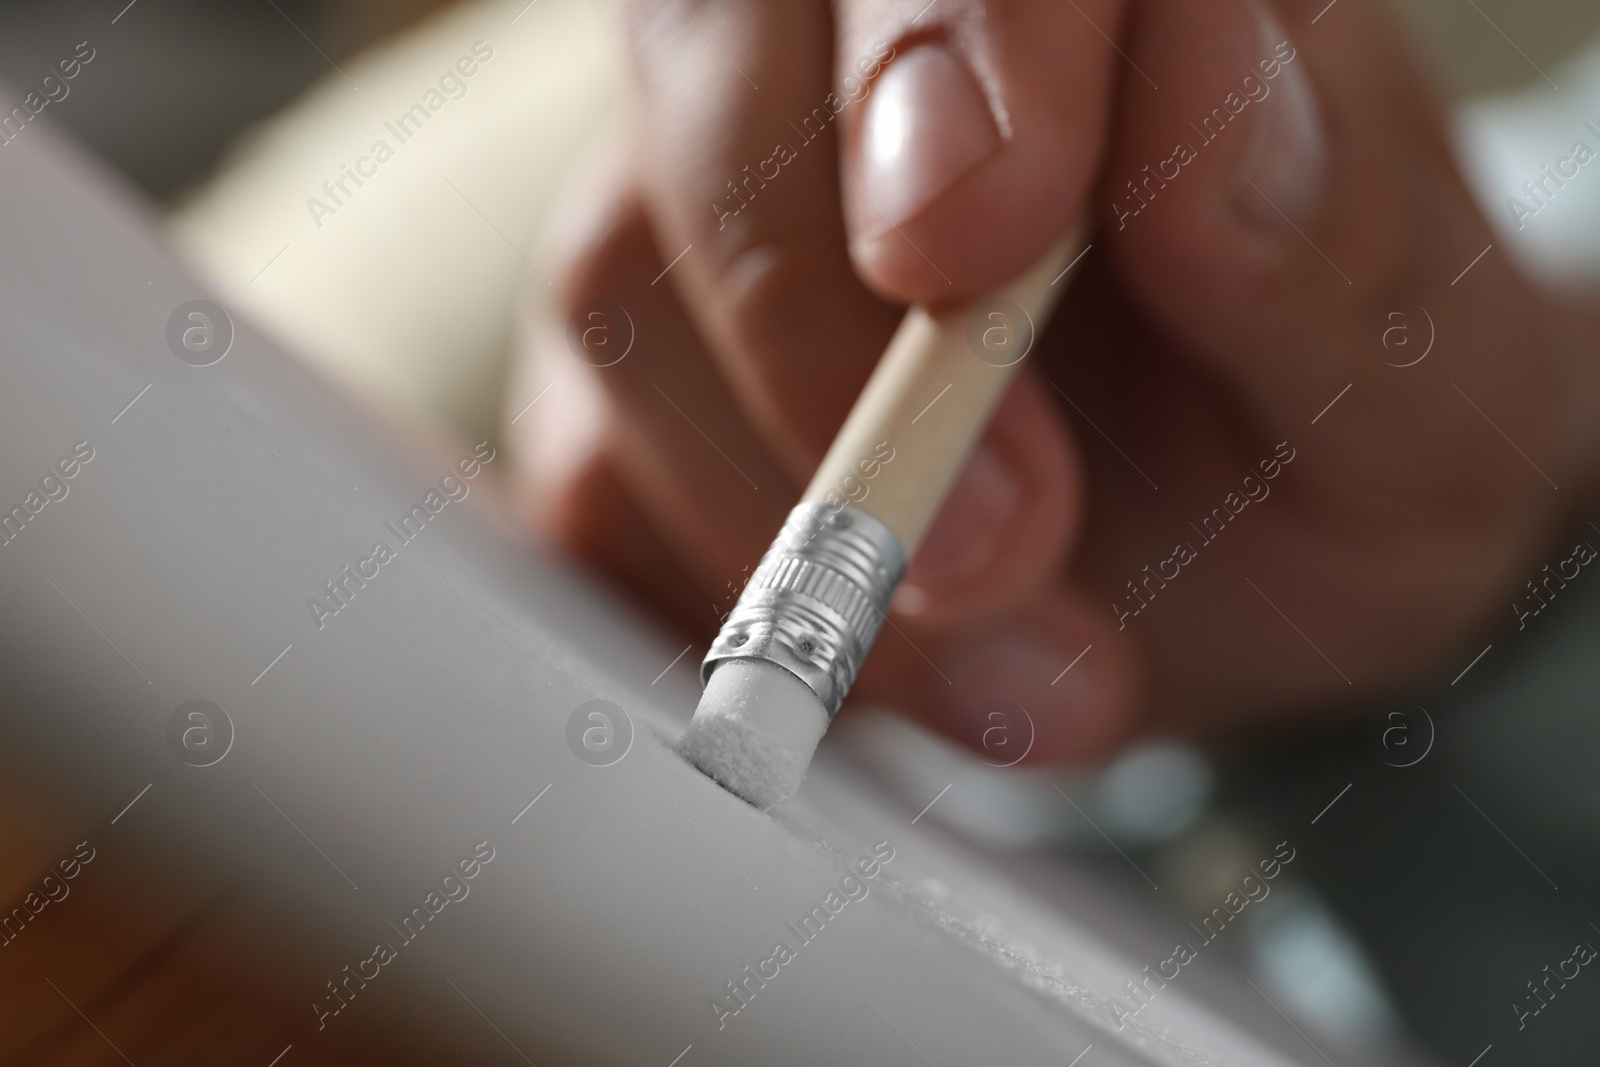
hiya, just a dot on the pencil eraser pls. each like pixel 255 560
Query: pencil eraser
pixel 755 730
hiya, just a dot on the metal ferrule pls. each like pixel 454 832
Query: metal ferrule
pixel 815 603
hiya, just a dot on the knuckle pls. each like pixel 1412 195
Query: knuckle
pixel 604 246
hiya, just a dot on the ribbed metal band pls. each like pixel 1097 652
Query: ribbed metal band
pixel 816 601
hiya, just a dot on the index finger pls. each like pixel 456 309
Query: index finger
pixel 741 177
pixel 978 144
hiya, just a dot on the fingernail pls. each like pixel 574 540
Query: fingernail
pixel 973 525
pixel 1283 171
pixel 927 122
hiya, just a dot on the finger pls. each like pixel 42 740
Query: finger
pixel 1008 523
pixel 795 332
pixel 681 440
pixel 623 353
pixel 978 144
pixel 1290 188
pixel 744 183
pixel 577 496
pixel 1058 671
pixel 567 479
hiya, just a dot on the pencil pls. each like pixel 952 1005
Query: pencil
pixel 789 651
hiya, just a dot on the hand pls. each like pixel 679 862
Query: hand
pixel 1166 501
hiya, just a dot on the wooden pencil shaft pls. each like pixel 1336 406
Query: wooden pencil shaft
pixel 930 397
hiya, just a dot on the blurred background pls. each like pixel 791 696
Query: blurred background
pixel 1413 917
pixel 188 76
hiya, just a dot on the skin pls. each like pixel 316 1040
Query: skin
pixel 1197 337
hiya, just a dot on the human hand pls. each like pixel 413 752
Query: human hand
pixel 1213 494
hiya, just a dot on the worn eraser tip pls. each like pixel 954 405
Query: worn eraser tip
pixel 755 730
